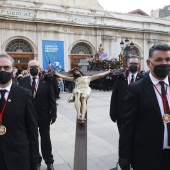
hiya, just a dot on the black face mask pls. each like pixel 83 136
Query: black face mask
pixel 161 70
pixel 5 77
pixel 34 71
pixel 133 68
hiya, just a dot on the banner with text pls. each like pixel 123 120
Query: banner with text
pixel 53 55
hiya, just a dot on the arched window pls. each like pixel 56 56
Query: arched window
pixel 19 45
pixel 81 48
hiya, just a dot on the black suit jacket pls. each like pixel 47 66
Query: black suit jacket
pixel 142 132
pixel 45 101
pixel 118 94
pixel 20 143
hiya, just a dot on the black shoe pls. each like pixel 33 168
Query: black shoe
pixel 50 167
pixel 36 167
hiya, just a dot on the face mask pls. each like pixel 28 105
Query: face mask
pixel 34 71
pixel 5 77
pixel 161 70
pixel 133 68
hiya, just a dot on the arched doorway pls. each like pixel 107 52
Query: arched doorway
pixel 80 51
pixel 21 51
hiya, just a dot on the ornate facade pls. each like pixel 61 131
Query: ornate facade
pixel 82 25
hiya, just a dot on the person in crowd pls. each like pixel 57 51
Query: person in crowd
pixel 57 66
pixel 58 82
pixel 49 74
pixel 19 74
pixel 145 134
pixel 81 92
pixel 14 77
pixel 120 87
pixel 25 73
pixel 18 122
pixel 62 86
pixel 45 105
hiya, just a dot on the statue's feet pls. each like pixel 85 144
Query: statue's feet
pixel 79 116
pixel 82 120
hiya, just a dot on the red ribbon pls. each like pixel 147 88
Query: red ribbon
pixel 3 109
pixel 163 98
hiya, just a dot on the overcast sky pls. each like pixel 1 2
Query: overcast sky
pixel 125 6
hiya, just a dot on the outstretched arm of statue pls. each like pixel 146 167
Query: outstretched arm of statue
pixel 98 76
pixel 63 76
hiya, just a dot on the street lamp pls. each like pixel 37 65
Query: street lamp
pixel 126 47
pixel 126 50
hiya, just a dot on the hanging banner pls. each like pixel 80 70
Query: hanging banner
pixel 53 55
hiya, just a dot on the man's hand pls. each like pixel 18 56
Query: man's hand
pixel 53 119
pixel 124 164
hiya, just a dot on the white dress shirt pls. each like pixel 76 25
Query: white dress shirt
pixel 8 88
pixel 130 76
pixel 159 98
pixel 36 81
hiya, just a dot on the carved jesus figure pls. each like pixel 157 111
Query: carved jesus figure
pixel 82 91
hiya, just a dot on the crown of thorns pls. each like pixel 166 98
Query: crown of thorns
pixel 72 70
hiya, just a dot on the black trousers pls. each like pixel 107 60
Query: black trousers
pixel 2 161
pixel 165 160
pixel 45 141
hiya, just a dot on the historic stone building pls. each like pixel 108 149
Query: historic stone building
pixel 161 13
pixel 81 25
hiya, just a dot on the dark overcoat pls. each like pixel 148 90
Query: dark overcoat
pixel 142 132
pixel 20 142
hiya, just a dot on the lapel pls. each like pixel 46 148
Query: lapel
pixel 150 95
pixel 40 84
pixel 124 76
pixel 10 101
pixel 27 83
pixel 137 77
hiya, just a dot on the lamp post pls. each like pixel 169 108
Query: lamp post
pixel 126 50
pixel 126 47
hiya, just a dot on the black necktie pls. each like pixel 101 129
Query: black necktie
pixel 2 100
pixel 33 84
pixel 132 79
pixel 164 94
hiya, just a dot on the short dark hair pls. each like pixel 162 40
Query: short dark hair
pixel 161 47
pixel 19 71
pixel 132 56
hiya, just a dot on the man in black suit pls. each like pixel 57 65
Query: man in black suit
pixel 145 134
pixel 45 105
pixel 18 122
pixel 120 89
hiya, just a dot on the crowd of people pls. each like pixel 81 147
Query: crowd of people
pixel 139 105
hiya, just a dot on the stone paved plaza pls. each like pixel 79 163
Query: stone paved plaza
pixel 102 134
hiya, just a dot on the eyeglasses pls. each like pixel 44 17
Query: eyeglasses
pixel 6 68
pixel 31 67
